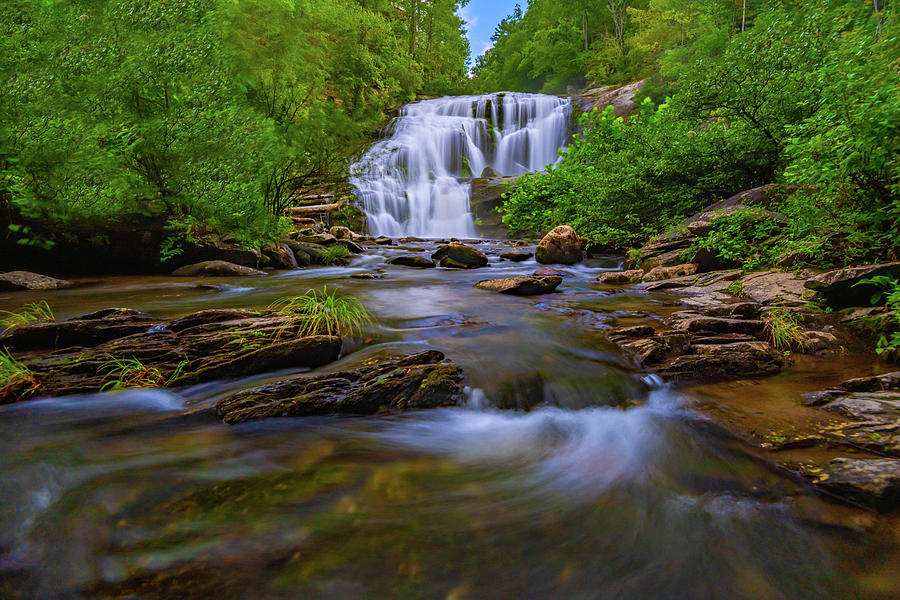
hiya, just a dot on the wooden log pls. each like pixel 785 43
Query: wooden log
pixel 300 211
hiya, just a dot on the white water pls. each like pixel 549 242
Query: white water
pixel 416 182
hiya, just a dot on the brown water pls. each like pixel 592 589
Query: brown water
pixel 146 494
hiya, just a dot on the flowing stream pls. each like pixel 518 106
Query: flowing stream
pixel 416 181
pixel 146 494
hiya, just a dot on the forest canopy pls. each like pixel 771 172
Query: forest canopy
pixel 213 113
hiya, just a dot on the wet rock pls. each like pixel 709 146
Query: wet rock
pixel 821 343
pixel 707 261
pixel 280 256
pixel 560 246
pixel 303 258
pixel 549 272
pixel 621 277
pixel 516 255
pixel 696 323
pixel 25 280
pixel 459 256
pixel 523 285
pixel 412 382
pixel 353 247
pixel 736 310
pixel 383 241
pixel 221 248
pixel 736 360
pixel 417 262
pixel 660 273
pixel 842 287
pixel 342 233
pixel 410 239
pixel 873 482
pixel 215 268
pixel 365 276
pixel 79 355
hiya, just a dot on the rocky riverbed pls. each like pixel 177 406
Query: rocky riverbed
pixel 506 418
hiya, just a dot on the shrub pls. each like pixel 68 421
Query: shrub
pixel 890 294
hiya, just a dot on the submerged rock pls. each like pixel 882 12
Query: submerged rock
pixel 26 280
pixel 459 256
pixel 523 285
pixel 215 268
pixel 412 382
pixel 871 482
pixel 418 262
pixel 97 350
pixel 560 246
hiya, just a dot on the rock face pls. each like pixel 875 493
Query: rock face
pixel 841 287
pixel 215 268
pixel 418 381
pixel 79 355
pixel 560 246
pixel 459 256
pixel 25 280
pixel 523 285
pixel 418 262
pixel 872 482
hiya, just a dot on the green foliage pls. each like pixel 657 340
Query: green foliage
pixel 783 330
pixel 129 373
pixel 17 382
pixel 207 112
pixel 333 254
pixel 735 288
pixel 323 312
pixel 890 295
pixel 34 312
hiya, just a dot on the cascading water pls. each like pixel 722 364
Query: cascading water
pixel 417 180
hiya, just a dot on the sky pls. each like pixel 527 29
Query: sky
pixel 481 17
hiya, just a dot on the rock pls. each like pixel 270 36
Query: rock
pixel 660 273
pixel 485 201
pixel 459 256
pixel 560 246
pixel 736 360
pixel 621 277
pixel 699 228
pixel 840 288
pixel 707 261
pixel 820 343
pixel 25 280
pixel 410 239
pixel 418 262
pixel 342 233
pixel 303 258
pixel 280 256
pixel 737 310
pixel 365 276
pixel 221 249
pixel 872 482
pixel 383 241
pixel 215 268
pixel 412 382
pixel 353 247
pixel 770 287
pixel 489 172
pixel 323 239
pixel 77 356
pixel 516 255
pixel 696 323
pixel 523 285
pixel 548 272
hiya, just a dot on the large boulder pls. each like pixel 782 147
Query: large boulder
pixel 25 280
pixel 417 262
pixel 412 382
pixel 459 256
pixel 523 285
pixel 560 246
pixel 215 268
pixel 842 287
pixel 280 256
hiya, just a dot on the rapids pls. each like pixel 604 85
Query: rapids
pixel 147 494
pixel 416 181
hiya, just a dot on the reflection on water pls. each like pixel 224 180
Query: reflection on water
pixel 145 494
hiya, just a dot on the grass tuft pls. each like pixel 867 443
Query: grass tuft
pixel 333 254
pixel 36 312
pixel 783 330
pixel 130 373
pixel 323 312
pixel 17 382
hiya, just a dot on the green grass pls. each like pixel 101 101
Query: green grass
pixel 323 312
pixel 333 254
pixel 36 312
pixel 735 288
pixel 783 330
pixel 130 373
pixel 16 380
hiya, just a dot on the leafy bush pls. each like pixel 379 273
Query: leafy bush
pixel 890 295
pixel 323 312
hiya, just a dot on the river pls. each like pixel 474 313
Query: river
pixel 618 487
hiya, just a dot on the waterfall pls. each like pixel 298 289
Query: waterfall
pixel 416 181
